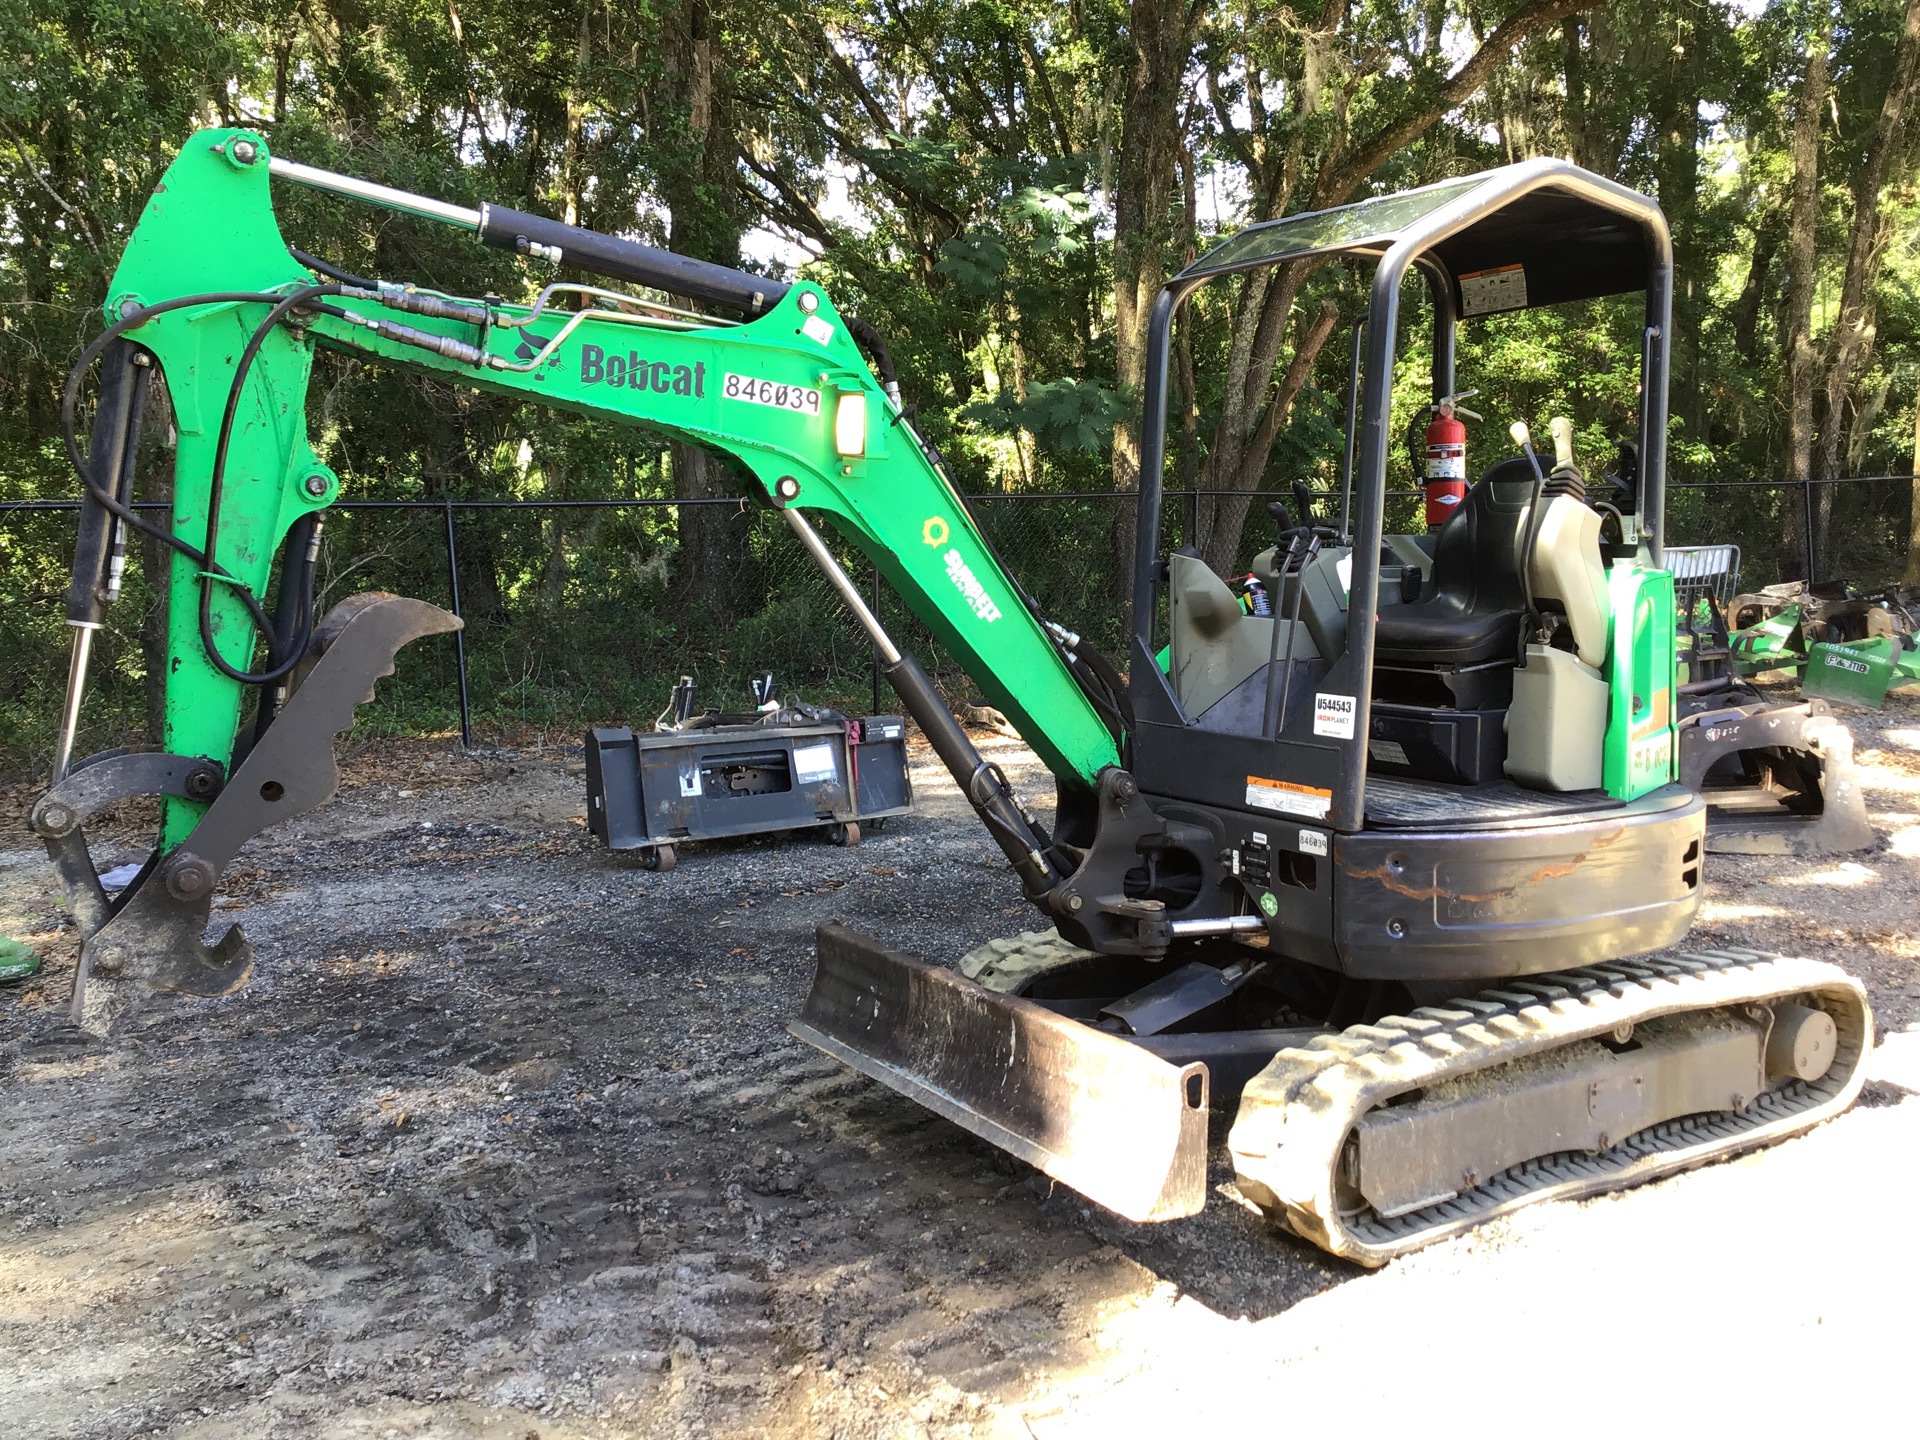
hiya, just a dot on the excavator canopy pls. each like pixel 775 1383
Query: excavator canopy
pixel 1542 232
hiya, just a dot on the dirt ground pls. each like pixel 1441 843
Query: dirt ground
pixel 506 1139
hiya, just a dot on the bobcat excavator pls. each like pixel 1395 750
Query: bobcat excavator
pixel 1381 873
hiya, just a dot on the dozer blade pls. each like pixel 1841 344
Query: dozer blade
pixel 1800 795
pixel 1123 1127
pixel 1386 1137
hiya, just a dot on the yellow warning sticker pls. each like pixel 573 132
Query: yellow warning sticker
pixel 1286 798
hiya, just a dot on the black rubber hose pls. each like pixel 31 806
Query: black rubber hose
pixel 216 485
pixel 69 426
pixel 332 271
pixel 875 345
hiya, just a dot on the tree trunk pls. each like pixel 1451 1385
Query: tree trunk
pixel 1150 136
pixel 1912 575
pixel 1801 262
pixel 705 225
pixel 1853 327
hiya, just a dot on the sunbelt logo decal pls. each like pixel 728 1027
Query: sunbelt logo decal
pixel 934 535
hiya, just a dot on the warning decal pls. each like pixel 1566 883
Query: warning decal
pixel 1287 798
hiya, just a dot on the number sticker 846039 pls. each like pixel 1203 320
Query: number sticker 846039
pixel 796 398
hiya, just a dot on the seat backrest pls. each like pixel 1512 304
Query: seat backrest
pixel 1476 556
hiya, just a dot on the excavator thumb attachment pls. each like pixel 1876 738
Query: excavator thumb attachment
pixel 149 938
pixel 1777 779
pixel 1096 1112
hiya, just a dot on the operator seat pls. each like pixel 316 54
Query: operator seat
pixel 1474 611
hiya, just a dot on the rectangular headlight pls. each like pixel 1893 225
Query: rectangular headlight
pixel 850 425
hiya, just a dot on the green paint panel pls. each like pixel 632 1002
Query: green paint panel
pixel 1642 682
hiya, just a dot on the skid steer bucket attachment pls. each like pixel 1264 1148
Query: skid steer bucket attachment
pixel 1096 1112
pixel 1777 779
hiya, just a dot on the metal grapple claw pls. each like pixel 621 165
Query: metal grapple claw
pixel 149 938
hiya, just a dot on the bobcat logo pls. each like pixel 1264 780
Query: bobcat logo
pixel 531 346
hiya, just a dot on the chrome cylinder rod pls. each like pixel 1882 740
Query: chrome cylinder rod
pixel 841 582
pixel 1229 925
pixel 383 195
pixel 76 692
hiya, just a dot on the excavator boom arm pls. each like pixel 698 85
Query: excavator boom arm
pixel 787 394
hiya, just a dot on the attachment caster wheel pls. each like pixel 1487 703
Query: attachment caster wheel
pixel 845 833
pixel 660 857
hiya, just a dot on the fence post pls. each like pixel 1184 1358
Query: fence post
pixel 1807 525
pixel 459 635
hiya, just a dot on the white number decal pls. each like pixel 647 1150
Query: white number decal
pixel 796 398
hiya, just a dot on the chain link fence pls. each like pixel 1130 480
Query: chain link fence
pixel 579 612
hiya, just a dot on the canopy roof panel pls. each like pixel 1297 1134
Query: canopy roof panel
pixel 1538 233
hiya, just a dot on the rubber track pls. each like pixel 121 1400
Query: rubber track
pixel 1009 965
pixel 1295 1116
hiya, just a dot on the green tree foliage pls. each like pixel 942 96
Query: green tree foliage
pixel 992 185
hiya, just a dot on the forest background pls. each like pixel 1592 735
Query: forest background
pixel 1000 186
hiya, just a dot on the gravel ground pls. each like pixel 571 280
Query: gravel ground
pixel 506 1140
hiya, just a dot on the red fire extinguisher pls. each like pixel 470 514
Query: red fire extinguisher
pixel 1447 457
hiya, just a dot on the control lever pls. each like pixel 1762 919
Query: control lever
pixel 1562 430
pixel 1523 437
pixel 1301 551
pixel 1303 497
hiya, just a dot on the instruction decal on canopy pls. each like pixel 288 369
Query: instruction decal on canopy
pixel 1486 292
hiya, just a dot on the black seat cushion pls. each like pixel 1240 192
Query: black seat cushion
pixel 1437 632
pixel 1474 611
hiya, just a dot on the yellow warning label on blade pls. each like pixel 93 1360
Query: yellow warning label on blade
pixel 1287 798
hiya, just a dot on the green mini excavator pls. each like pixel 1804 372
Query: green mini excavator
pixel 1388 874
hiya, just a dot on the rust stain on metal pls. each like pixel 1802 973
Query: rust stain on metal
pixel 1436 892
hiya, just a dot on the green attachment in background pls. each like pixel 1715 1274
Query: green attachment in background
pixel 1768 645
pixel 18 960
pixel 1857 672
